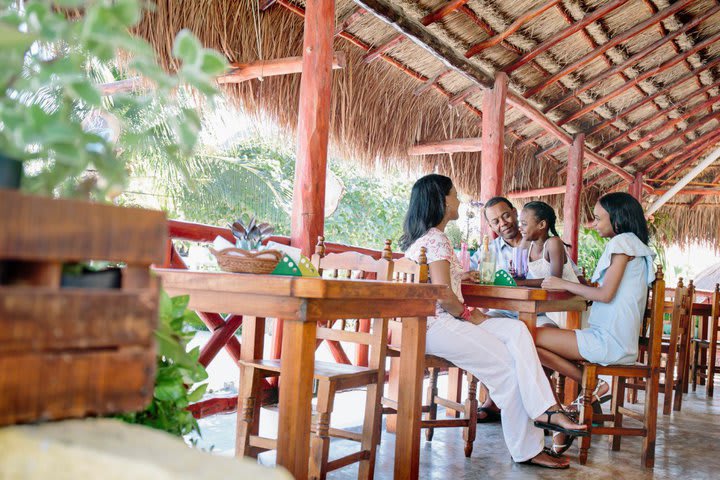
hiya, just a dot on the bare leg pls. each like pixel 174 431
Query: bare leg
pixel 556 362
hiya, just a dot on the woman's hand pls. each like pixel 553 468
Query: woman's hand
pixel 554 283
pixel 477 317
pixel 471 276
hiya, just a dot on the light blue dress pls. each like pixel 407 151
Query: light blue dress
pixel 612 337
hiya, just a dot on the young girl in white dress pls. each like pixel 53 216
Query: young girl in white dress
pixel 546 256
pixel 500 353
pixel 623 273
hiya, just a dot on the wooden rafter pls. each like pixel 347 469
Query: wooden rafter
pixel 686 159
pixel 514 27
pixel 563 34
pixel 693 111
pixel 671 138
pixel 655 117
pixel 348 20
pixel 666 90
pixel 454 145
pixel 428 19
pixel 678 155
pixel 242 72
pixel 695 201
pixel 600 50
pixel 537 192
pixel 643 76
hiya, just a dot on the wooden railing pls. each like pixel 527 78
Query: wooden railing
pixel 223 329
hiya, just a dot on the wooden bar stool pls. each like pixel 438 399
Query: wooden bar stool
pixel 406 270
pixel 649 371
pixel 331 378
pixel 708 345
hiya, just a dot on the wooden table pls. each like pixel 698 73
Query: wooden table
pixel 301 302
pixel 528 302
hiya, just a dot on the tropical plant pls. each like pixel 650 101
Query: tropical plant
pixel 455 235
pixel 590 248
pixel 178 372
pixel 49 50
pixel 249 233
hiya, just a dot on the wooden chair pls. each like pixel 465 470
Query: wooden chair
pixel 673 351
pixel 648 370
pixel 331 378
pixel 706 372
pixel 407 270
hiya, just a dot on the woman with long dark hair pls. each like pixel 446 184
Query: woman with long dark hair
pixel 623 273
pixel 499 352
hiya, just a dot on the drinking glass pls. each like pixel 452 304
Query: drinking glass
pixel 519 262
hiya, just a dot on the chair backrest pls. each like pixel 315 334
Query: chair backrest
pixel 406 270
pixel 655 319
pixel 682 308
pixel 362 267
pixel 715 312
pixel 352 264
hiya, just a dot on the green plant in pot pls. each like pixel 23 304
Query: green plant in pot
pixel 51 52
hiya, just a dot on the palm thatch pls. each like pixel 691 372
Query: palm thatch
pixel 378 114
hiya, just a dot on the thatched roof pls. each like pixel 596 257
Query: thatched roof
pixel 379 110
pixel 708 278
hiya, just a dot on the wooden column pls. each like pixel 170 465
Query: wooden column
pixel 308 211
pixel 571 208
pixel 636 188
pixel 313 125
pixel 493 141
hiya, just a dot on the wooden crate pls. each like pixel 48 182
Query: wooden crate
pixel 69 352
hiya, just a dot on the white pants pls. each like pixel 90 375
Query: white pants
pixel 500 352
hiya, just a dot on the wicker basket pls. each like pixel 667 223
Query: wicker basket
pixel 237 260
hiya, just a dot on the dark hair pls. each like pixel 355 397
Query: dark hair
pixel 426 209
pixel 494 201
pixel 626 214
pixel 543 211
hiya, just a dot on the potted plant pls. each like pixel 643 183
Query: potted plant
pixel 249 255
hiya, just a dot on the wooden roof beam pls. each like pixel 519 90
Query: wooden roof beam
pixel 349 19
pixel 537 192
pixel 389 13
pixel 689 160
pixel 633 59
pixel 428 19
pixel 678 187
pixel 666 90
pixel 671 138
pixel 699 198
pixel 563 34
pixel 242 72
pixel 680 154
pixel 656 116
pixel 614 41
pixel 454 145
pixel 514 27
pixel 693 111
pixel 643 76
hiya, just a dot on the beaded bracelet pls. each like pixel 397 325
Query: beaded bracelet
pixel 465 315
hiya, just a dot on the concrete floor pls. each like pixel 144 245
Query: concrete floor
pixel 687 447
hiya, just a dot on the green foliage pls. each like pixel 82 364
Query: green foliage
pixel 178 371
pixel 591 248
pixel 454 234
pixel 49 50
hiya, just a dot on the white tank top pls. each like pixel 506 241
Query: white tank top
pixel 541 267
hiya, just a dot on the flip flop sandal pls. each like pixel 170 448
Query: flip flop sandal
pixel 491 415
pixel 557 450
pixel 557 428
pixel 533 463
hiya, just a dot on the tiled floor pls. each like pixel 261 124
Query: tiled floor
pixel 688 446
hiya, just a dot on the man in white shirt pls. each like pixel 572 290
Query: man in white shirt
pixel 503 220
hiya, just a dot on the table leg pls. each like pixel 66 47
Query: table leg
pixel 454 388
pixel 530 320
pixel 407 440
pixel 296 374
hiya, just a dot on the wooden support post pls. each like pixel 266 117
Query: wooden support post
pixel 493 141
pixel 571 209
pixel 313 125
pixel 636 187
